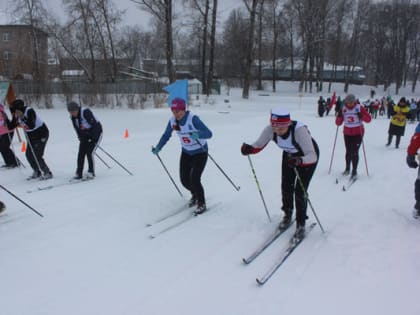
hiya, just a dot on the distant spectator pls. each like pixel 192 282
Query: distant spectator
pixel 398 122
pixel 321 106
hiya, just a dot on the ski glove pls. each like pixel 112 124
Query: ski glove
pixel 194 135
pixel 176 127
pixel 246 149
pixel 360 115
pixel 155 151
pixel 411 161
pixel 294 161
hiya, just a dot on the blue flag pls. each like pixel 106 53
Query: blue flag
pixel 177 89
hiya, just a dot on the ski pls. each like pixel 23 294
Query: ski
pixel 270 240
pixel 180 222
pixel 293 244
pixel 173 226
pixel 70 182
pixel 351 181
pixel 169 215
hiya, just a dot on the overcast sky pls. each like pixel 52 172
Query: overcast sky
pixel 133 15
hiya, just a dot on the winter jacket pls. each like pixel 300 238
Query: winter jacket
pixel 414 142
pixel 86 125
pixel 297 139
pixel 188 123
pixel 353 124
pixel 4 121
pixel 399 117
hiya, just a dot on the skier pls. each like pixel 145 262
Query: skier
pixel 6 136
pixel 398 122
pixel 411 162
pixel 37 134
pixel 89 132
pixel 192 133
pixel 321 106
pixel 352 115
pixel 300 153
pixel 2 207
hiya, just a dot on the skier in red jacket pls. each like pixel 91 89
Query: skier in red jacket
pixel 352 115
pixel 411 162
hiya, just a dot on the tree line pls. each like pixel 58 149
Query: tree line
pixel 382 37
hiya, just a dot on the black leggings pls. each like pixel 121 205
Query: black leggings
pixel 352 144
pixel 292 187
pixel 86 149
pixel 5 150
pixel 35 154
pixel 190 169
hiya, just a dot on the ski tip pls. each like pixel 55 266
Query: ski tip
pixel 246 262
pixel 336 180
pixel 344 188
pixel 259 282
pixel 152 237
pixel 149 224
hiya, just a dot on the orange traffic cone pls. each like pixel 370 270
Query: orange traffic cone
pixel 23 149
pixel 126 133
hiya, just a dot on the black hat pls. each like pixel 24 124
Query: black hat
pixel 18 104
pixel 72 106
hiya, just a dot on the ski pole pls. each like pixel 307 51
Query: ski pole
pixel 364 151
pixel 32 149
pixel 220 169
pixel 167 172
pixel 332 153
pixel 16 197
pixel 110 156
pixel 305 193
pixel 259 188
pixel 364 155
pixel 102 160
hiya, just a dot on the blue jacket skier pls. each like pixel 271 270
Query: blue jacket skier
pixel 192 133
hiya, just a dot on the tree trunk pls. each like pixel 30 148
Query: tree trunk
pixel 249 53
pixel 212 47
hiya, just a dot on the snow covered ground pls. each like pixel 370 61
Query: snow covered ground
pixel 91 253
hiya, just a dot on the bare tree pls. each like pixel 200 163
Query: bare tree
pixel 212 47
pixel 260 43
pixel 136 44
pixel 162 10
pixel 251 6
pixel 31 12
pixel 202 7
pixel 85 32
pixel 234 46
pixel 106 19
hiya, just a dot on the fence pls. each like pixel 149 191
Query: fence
pixel 38 88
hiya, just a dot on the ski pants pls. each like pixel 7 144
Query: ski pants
pixel 87 148
pixel 292 187
pixel 35 153
pixel 191 167
pixel 5 150
pixel 417 191
pixel 352 144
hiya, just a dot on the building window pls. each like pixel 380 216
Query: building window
pixel 7 55
pixel 7 36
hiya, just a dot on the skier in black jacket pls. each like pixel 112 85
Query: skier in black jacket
pixel 89 132
pixel 37 135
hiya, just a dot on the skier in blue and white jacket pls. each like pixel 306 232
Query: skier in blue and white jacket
pixel 193 134
pixel 89 133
